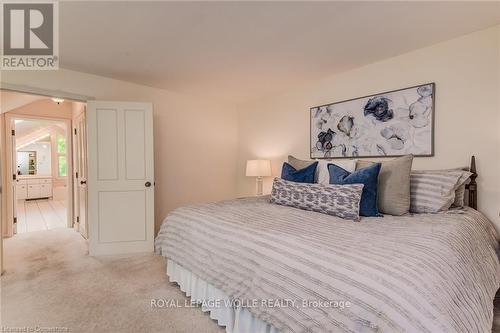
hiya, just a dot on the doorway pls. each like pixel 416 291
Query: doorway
pixel 44 160
pixel 42 176
pixel 80 169
pixel 114 141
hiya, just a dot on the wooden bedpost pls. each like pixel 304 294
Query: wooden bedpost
pixel 472 186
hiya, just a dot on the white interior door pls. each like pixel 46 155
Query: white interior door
pixel 80 174
pixel 120 177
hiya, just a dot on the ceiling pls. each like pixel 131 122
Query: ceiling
pixel 241 51
pixel 30 131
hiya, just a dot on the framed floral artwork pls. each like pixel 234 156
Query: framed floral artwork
pixel 392 123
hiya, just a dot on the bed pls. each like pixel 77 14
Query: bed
pixel 280 269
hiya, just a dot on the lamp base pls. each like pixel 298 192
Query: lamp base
pixel 258 185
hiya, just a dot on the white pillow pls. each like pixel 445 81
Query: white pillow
pixel 323 176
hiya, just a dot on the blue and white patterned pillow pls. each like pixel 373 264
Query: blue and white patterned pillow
pixel 337 200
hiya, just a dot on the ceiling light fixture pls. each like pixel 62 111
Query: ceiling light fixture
pixel 57 100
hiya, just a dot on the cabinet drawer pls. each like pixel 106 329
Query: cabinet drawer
pixel 45 190
pixel 45 181
pixel 34 191
pixel 21 191
pixel 22 182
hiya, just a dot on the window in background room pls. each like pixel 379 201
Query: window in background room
pixel 62 160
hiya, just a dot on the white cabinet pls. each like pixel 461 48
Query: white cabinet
pixel 21 191
pixel 34 191
pixel 34 188
pixel 45 190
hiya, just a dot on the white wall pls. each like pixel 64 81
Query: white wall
pixel 466 71
pixel 195 139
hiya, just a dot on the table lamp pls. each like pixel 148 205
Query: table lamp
pixel 259 169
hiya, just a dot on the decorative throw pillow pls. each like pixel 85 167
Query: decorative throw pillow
pixel 304 175
pixel 459 196
pixel 322 175
pixel 337 200
pixel 460 191
pixel 433 191
pixel 393 184
pixel 298 163
pixel 368 177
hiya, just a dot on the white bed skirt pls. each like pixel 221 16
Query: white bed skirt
pixel 236 320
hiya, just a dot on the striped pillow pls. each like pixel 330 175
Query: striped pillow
pixel 459 196
pixel 434 191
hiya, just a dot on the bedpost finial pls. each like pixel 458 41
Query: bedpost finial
pixel 473 165
pixel 472 186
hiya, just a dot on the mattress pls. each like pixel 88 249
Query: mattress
pixel 301 271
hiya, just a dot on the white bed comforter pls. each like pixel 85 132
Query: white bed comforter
pixel 421 273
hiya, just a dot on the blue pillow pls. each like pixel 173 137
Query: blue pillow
pixel 305 175
pixel 367 176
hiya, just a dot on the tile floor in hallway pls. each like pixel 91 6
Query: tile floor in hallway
pixel 43 214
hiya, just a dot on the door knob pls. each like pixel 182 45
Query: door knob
pixel 147 184
pixel 83 182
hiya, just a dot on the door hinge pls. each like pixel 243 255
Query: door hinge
pixel 76 174
pixel 15 219
pixel 14 176
pixel 75 131
pixel 78 219
pixel 13 132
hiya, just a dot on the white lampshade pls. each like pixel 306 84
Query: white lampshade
pixel 258 168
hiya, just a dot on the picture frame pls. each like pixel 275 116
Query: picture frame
pixel 388 124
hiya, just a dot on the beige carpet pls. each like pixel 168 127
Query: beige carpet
pixel 51 281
